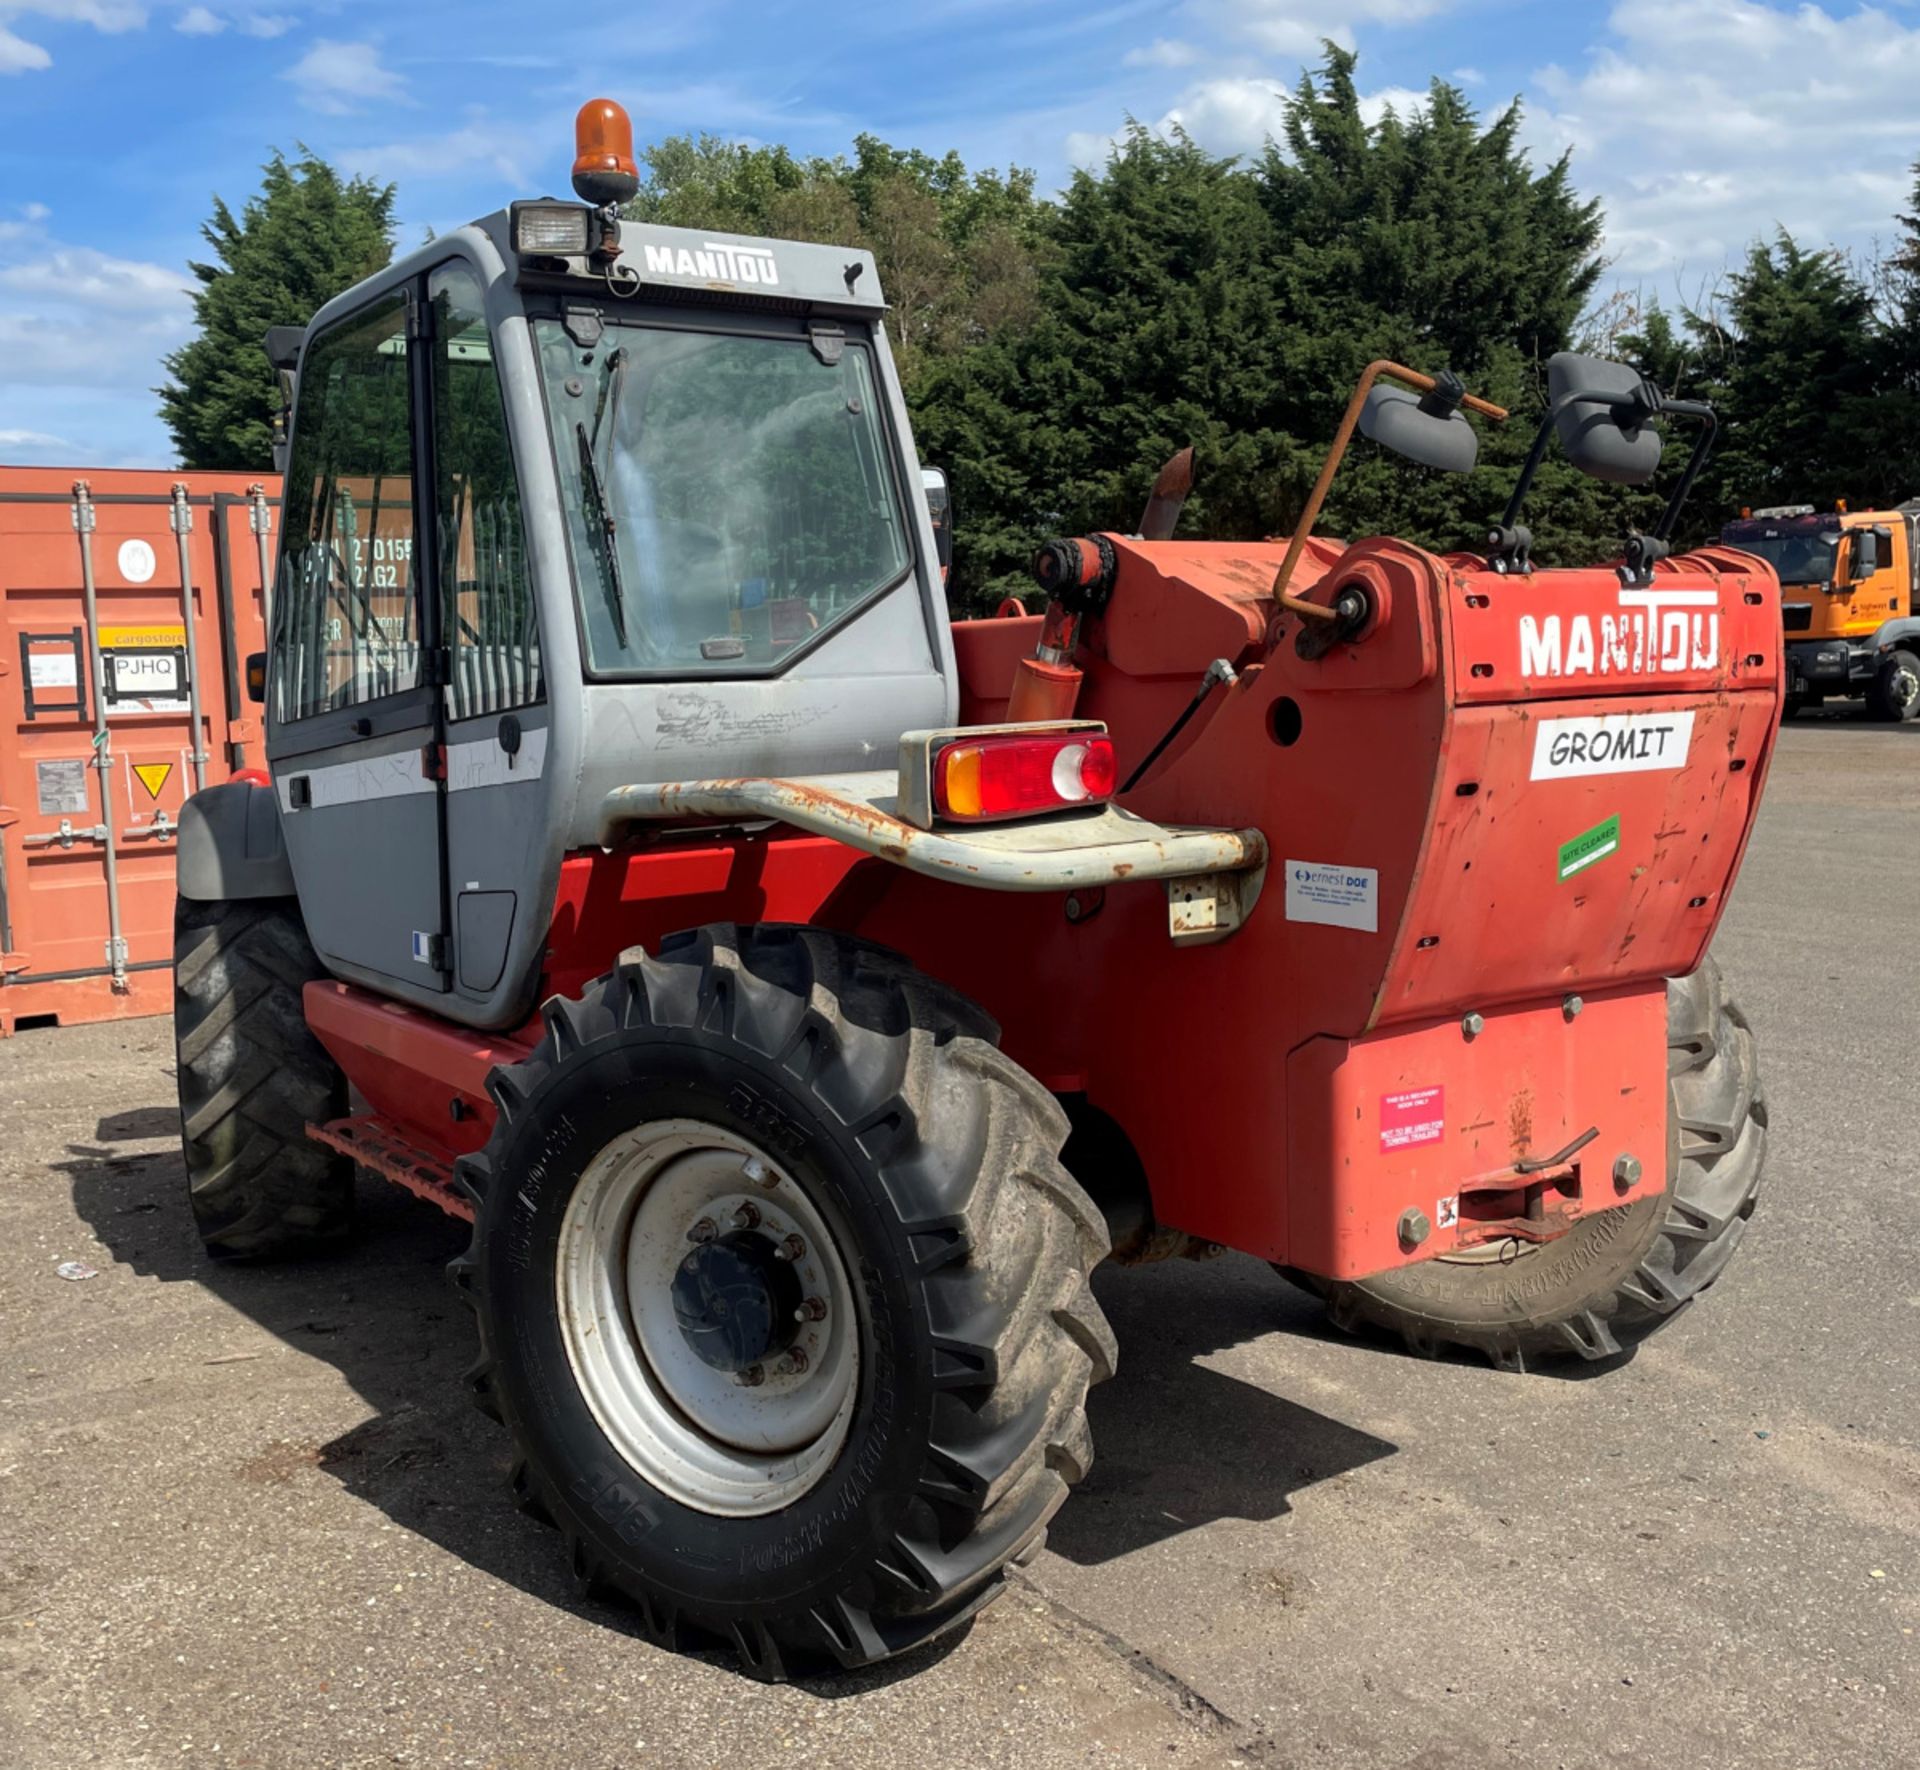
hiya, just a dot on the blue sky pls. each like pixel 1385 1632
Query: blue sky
pixel 1701 123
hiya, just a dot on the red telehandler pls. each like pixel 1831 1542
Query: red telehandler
pixel 801 993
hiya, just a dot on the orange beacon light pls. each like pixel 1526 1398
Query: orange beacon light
pixel 604 170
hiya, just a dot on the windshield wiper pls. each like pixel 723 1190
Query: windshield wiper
pixel 602 523
pixel 606 414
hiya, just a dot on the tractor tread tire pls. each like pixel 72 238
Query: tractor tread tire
pixel 1652 1259
pixel 1002 1241
pixel 251 1079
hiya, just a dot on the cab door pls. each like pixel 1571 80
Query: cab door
pixel 499 806
pixel 354 720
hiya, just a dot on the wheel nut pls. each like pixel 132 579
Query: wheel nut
pixel 796 1361
pixel 812 1309
pixel 1626 1172
pixel 793 1248
pixel 704 1230
pixel 1414 1228
pixel 1571 1007
pixel 752 1377
pixel 747 1216
pixel 1473 1025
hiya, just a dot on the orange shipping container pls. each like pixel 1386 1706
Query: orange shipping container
pixel 85 846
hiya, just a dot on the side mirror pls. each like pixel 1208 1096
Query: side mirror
pixel 1420 427
pixel 1603 415
pixel 257 678
pixel 1865 557
pixel 933 484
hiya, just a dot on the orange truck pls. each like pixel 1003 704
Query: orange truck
pixel 119 697
pixel 1849 601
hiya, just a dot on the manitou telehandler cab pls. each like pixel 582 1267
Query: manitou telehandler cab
pixel 801 992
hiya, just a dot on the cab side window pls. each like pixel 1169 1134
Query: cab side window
pixel 486 592
pixel 348 620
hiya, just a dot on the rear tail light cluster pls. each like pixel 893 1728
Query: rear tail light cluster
pixel 976 780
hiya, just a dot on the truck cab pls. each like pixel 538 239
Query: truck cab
pixel 1850 601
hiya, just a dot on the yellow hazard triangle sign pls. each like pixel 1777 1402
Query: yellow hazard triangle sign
pixel 153 776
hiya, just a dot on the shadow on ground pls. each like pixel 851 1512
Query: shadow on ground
pixel 1181 1444
pixel 1851 716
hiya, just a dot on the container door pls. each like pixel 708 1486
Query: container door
pixel 354 734
pixel 57 906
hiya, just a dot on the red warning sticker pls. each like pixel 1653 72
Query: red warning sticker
pixel 1412 1117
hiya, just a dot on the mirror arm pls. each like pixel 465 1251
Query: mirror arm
pixel 1336 452
pixel 1709 429
pixel 1528 469
pixel 1574 396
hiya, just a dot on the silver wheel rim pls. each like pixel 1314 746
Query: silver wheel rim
pixel 701 1436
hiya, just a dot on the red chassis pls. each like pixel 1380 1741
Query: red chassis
pixel 1444 1020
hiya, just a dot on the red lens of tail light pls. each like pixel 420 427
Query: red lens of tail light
pixel 980 779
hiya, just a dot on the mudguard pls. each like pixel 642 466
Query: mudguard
pixel 230 845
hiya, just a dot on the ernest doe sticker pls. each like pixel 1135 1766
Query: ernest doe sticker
pixel 1336 896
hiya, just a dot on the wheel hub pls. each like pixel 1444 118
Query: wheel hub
pixel 709 1317
pixel 737 1301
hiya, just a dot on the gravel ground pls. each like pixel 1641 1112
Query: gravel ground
pixel 249 1518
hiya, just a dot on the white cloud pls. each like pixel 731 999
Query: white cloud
pixel 1467 77
pixel 339 78
pixel 267 24
pixel 1238 115
pixel 23 445
pixel 35 211
pixel 82 335
pixel 1163 52
pixel 452 155
pixel 111 16
pixel 82 276
pixel 18 56
pixel 1705 124
pixel 1299 27
pixel 1403 101
pixel 197 21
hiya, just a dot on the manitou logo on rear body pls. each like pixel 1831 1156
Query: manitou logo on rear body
pixel 712 262
pixel 1658 632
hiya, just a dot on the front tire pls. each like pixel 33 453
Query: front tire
pixel 1610 1281
pixel 251 1078
pixel 884 1144
pixel 1895 693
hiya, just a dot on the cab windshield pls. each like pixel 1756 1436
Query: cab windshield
pixel 1796 559
pixel 729 496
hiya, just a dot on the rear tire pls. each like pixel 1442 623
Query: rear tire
pixel 1895 693
pixel 1603 1287
pixel 877 1113
pixel 251 1079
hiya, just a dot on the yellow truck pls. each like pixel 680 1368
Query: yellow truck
pixel 1850 600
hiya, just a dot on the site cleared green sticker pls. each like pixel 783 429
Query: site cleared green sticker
pixel 1589 846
